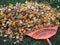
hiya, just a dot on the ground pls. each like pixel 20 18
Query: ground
pixel 28 40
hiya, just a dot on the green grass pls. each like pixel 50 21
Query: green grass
pixel 28 40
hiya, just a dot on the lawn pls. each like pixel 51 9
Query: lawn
pixel 28 40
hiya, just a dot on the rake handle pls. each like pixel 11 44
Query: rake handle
pixel 49 42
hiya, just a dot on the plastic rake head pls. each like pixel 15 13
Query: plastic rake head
pixel 43 33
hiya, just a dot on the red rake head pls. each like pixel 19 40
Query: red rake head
pixel 43 33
